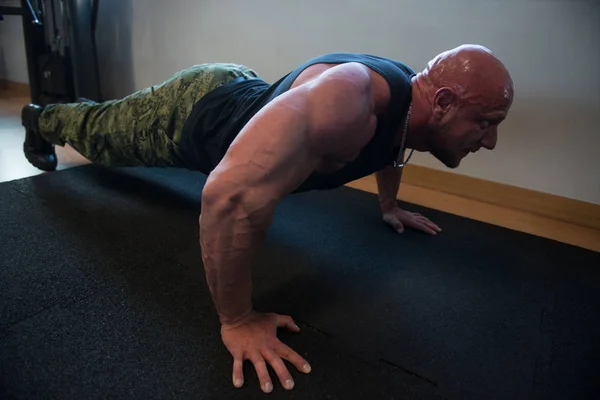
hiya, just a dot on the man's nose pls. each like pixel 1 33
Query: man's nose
pixel 490 139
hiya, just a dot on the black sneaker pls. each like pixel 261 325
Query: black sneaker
pixel 38 152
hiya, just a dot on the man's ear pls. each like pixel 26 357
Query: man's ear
pixel 443 100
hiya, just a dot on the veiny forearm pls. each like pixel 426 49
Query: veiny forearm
pixel 231 232
pixel 388 183
pixel 274 153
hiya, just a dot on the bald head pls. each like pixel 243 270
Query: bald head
pixel 461 98
pixel 472 71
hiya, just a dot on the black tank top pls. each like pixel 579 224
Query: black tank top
pixel 220 115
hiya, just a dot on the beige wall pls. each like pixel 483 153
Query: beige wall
pixel 549 143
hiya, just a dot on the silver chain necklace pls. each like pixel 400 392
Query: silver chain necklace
pixel 398 163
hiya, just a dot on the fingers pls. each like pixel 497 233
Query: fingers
pixel 424 224
pixel 426 229
pixel 421 225
pixel 238 372
pixel 275 360
pixel 285 321
pixel 285 352
pixel 392 220
pixel 400 218
pixel 280 369
pixel 425 219
pixel 261 371
pixel 264 352
pixel 429 224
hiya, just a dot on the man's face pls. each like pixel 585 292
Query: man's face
pixel 462 129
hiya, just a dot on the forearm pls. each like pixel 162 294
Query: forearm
pixel 305 125
pixel 231 232
pixel 388 183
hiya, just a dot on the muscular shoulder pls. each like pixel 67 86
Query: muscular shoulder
pixel 344 102
pixel 339 74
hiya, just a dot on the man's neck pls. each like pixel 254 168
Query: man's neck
pixel 418 118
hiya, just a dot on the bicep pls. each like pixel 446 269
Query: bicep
pixel 283 143
pixel 271 155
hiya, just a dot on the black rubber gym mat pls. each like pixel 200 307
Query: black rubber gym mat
pixel 103 295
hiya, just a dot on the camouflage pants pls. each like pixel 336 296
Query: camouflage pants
pixel 142 129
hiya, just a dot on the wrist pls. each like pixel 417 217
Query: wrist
pixel 231 323
pixel 387 204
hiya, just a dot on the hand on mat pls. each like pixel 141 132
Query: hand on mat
pixel 400 219
pixel 255 339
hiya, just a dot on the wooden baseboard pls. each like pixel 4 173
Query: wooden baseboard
pixel 13 89
pixel 511 197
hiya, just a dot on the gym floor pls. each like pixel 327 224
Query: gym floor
pixel 103 294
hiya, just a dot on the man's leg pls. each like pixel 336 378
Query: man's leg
pixel 142 129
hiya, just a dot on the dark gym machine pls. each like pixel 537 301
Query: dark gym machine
pixel 61 48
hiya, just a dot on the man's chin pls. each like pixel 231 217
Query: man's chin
pixel 449 162
pixel 454 163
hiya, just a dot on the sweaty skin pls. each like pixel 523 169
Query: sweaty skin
pixel 322 123
pixel 459 101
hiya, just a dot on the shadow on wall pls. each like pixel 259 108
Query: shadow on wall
pixel 113 43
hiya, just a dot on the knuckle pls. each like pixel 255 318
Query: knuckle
pixel 285 353
pixel 258 361
pixel 280 367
